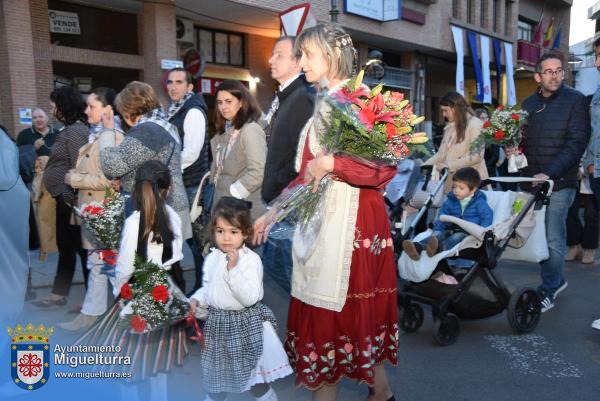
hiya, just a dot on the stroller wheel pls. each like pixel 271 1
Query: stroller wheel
pixel 524 311
pixel 446 329
pixel 412 318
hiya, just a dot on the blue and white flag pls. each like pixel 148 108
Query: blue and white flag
pixel 511 98
pixel 484 42
pixel 472 38
pixel 460 59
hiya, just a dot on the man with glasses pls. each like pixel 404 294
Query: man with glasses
pixel 557 132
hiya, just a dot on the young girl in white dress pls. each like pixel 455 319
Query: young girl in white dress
pixel 153 232
pixel 243 351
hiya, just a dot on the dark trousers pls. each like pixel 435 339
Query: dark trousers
pixel 68 241
pixel 585 234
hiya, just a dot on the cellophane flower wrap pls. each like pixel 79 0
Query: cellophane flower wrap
pixel 504 128
pixel 151 301
pixel 368 125
pixel 104 220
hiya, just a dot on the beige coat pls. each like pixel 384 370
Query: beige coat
pixel 459 155
pixel 244 166
pixel 44 207
pixel 90 181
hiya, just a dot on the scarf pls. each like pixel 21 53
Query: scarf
pixel 174 107
pixel 96 129
pixel 158 116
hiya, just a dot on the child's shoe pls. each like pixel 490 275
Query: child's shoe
pixel 432 246
pixel 270 395
pixel 411 249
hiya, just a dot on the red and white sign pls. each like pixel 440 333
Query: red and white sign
pixel 295 19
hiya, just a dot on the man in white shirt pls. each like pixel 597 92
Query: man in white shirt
pixel 188 113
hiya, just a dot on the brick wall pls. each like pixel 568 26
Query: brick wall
pixel 17 83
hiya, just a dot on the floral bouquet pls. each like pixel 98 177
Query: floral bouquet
pixel 504 129
pixel 151 301
pixel 372 127
pixel 105 221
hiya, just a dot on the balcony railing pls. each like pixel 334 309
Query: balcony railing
pixel 527 52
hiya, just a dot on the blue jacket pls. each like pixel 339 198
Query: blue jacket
pixel 557 132
pixel 477 211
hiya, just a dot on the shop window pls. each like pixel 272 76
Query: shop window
pixel 220 47
pixel 100 29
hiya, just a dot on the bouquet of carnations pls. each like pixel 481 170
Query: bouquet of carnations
pixel 372 127
pixel 504 129
pixel 105 221
pixel 151 300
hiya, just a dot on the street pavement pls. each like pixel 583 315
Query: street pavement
pixel 559 361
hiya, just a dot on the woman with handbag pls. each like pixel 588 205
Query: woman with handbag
pixel 87 177
pixel 461 131
pixel 239 152
pixel 151 137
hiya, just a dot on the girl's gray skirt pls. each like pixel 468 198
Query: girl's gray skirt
pixel 234 344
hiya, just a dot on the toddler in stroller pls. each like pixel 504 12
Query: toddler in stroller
pixel 477 292
pixel 465 201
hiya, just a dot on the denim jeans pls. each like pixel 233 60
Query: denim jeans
pixel 277 258
pixel 446 239
pixel 556 236
pixel 193 243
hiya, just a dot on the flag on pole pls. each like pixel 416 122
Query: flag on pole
pixel 537 36
pixel 457 34
pixel 556 44
pixel 549 33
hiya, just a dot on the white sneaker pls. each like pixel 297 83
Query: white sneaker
pixel 596 324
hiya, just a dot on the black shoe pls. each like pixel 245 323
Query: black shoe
pixel 47 303
pixel 30 295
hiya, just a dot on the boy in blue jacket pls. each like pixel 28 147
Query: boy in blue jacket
pixel 466 202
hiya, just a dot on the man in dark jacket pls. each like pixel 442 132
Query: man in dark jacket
pixel 188 113
pixel 291 108
pixel 557 132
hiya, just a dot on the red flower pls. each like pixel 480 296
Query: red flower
pixel 501 107
pixel 160 293
pixel 126 292
pixel 515 117
pixel 93 210
pixel 390 129
pixel 344 96
pixel 487 124
pixel 371 113
pixel 499 135
pixel 138 324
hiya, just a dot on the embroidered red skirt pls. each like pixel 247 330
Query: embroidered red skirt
pixel 324 346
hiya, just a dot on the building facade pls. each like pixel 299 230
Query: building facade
pixel 45 43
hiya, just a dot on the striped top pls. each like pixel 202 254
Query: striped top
pixel 63 158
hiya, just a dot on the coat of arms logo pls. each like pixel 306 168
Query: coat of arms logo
pixel 30 355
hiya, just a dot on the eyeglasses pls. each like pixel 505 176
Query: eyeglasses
pixel 556 73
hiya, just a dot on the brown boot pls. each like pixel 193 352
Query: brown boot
pixel 587 256
pixel 432 246
pixel 573 253
pixel 411 250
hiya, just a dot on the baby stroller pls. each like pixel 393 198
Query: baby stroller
pixel 479 291
pixel 413 186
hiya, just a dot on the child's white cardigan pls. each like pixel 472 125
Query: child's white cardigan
pixel 125 268
pixel 236 289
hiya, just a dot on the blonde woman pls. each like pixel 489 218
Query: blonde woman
pixel 342 319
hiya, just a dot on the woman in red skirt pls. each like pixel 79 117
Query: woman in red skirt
pixel 342 319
